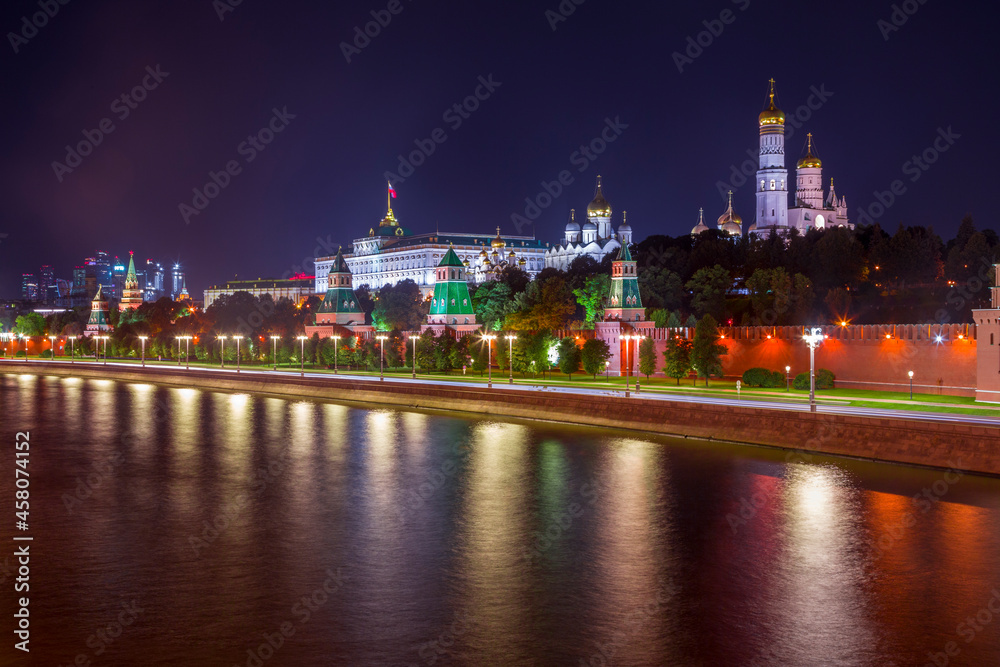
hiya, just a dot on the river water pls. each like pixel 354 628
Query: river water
pixel 186 527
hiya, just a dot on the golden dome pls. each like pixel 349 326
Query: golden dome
pixel 701 226
pixel 522 262
pixel 483 254
pixel 599 208
pixel 499 242
pixel 730 221
pixel 810 161
pixel 772 115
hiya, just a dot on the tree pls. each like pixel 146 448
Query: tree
pixel 709 287
pixel 546 304
pixel 30 324
pixel 400 306
pixel 647 357
pixel 569 356
pixel 493 301
pixel 594 355
pixel 661 288
pixel 480 360
pixel 706 353
pixel 592 295
pixel 678 358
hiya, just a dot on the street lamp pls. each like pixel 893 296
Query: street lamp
pixel 607 370
pixel 143 339
pixel 105 339
pixel 381 357
pixel 274 350
pixel 52 346
pixel 336 345
pixel 628 367
pixel 414 339
pixel 187 352
pixel 237 339
pixel 179 338
pixel 489 338
pixel 637 340
pixel 911 384
pixel 222 355
pixel 510 355
pixel 72 348
pixel 813 340
pixel 25 339
pixel 788 383
pixel 302 356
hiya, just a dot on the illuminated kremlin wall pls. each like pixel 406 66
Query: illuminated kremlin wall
pixel 942 357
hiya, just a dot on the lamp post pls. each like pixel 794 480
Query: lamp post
pixel 788 383
pixel 25 339
pixel 336 345
pixel 911 384
pixel 274 350
pixel 510 355
pixel 381 357
pixel 187 353
pixel 302 356
pixel 105 339
pixel 607 370
pixel 414 339
pixel 143 340
pixel 813 340
pixel 52 347
pixel 237 339
pixel 72 347
pixel 222 355
pixel 489 338
pixel 637 339
pixel 628 368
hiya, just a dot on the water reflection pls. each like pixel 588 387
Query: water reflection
pixel 479 542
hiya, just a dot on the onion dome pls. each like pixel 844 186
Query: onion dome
pixel 701 226
pixel 499 242
pixel 522 261
pixel 494 255
pixel 772 115
pixel 624 227
pixel 512 256
pixel 730 222
pixel 599 208
pixel 465 263
pixel 572 225
pixel 810 161
pixel 589 226
pixel 483 254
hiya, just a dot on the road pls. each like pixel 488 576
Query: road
pixel 501 384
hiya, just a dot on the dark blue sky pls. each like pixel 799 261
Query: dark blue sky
pixel 322 176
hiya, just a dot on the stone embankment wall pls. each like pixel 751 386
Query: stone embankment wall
pixel 938 444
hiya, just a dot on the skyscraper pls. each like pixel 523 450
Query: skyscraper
pixel 47 284
pixel 153 289
pixel 29 287
pixel 176 282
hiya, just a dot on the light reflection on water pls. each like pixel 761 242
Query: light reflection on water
pixel 475 541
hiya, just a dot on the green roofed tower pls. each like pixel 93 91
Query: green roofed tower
pixel 340 304
pixel 131 294
pixel 451 304
pixel 98 322
pixel 624 302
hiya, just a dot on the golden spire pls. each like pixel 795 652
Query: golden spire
pixel 809 150
pixel 389 220
pixel 772 92
pixel 772 115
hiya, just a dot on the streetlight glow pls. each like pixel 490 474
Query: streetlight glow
pixel 142 339
pixel 510 355
pixel 813 339
pixel 489 338
pixel 381 357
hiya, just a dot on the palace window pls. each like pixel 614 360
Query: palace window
pixel 772 183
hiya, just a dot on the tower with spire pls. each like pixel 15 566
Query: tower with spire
pixel 810 209
pixel 98 322
pixel 131 295
pixel 624 301
pixel 340 305
pixel 772 178
pixel 451 306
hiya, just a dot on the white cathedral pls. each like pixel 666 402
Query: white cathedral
pixel 595 238
pixel 811 209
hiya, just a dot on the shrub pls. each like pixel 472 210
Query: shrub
pixel 775 380
pixel 755 377
pixel 46 354
pixel 824 380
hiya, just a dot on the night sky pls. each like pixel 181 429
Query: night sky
pixel 322 176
